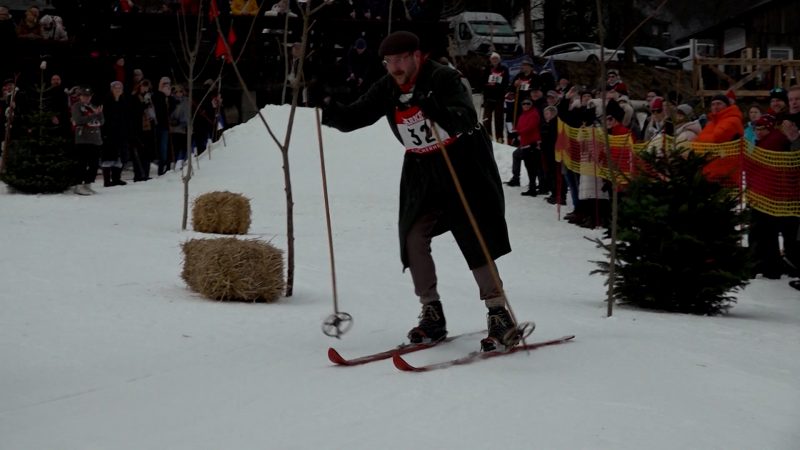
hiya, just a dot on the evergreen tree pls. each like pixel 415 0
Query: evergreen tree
pixel 678 239
pixel 39 160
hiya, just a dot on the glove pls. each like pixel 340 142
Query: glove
pixel 430 105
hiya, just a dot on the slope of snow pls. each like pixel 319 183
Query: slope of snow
pixel 104 347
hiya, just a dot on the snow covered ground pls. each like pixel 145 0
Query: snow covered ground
pixel 103 346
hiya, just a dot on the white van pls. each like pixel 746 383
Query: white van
pixel 687 53
pixel 482 33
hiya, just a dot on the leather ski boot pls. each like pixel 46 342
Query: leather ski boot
pixel 503 332
pixel 432 325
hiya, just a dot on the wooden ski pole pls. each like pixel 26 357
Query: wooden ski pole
pixel 337 323
pixel 474 223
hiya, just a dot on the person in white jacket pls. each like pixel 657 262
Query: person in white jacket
pixel 686 129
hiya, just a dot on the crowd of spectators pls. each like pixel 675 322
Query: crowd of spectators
pixel 528 103
pixel 131 123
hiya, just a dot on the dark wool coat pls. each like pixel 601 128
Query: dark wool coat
pixel 425 182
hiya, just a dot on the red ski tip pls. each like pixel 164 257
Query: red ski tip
pixel 402 364
pixel 335 357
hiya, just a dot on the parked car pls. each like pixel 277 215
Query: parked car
pixel 686 53
pixel 651 56
pixel 578 51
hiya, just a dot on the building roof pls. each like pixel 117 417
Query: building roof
pixel 732 19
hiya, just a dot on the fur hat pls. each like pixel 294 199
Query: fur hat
pixel 399 42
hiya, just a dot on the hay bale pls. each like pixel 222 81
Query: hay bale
pixel 222 213
pixel 233 269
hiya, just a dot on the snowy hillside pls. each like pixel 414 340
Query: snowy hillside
pixel 104 347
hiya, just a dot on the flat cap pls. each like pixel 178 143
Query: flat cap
pixel 399 42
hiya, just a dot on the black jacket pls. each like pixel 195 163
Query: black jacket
pixel 426 183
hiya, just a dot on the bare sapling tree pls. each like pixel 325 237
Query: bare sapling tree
pixel 297 85
pixel 190 34
pixel 190 31
pixel 613 170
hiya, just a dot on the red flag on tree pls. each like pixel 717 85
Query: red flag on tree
pixel 213 12
pixel 220 49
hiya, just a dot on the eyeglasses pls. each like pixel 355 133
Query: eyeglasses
pixel 394 60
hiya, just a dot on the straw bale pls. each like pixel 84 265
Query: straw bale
pixel 233 269
pixel 222 213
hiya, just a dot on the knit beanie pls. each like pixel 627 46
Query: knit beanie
pixel 722 97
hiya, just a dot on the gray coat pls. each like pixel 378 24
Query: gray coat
pixel 88 122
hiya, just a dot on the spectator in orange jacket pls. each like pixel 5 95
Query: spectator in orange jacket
pixel 724 125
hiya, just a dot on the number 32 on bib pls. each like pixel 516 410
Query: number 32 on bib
pixel 416 132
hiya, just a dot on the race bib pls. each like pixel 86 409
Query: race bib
pixel 416 132
pixel 495 78
pixel 525 86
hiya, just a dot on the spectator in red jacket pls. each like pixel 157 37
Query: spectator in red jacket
pixel 529 150
pixel 765 229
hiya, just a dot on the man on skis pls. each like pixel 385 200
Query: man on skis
pixel 428 107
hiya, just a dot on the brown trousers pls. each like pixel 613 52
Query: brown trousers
pixel 423 269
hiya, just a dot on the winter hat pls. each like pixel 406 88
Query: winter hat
pixel 722 98
pixel 657 104
pixel 685 109
pixel 766 121
pixel 612 72
pixel 361 44
pixel 527 60
pixel 399 42
pixel 779 93
pixel 116 84
pixel 85 91
pixel 494 55
pixel 614 110
pixel 138 72
pixel 553 94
